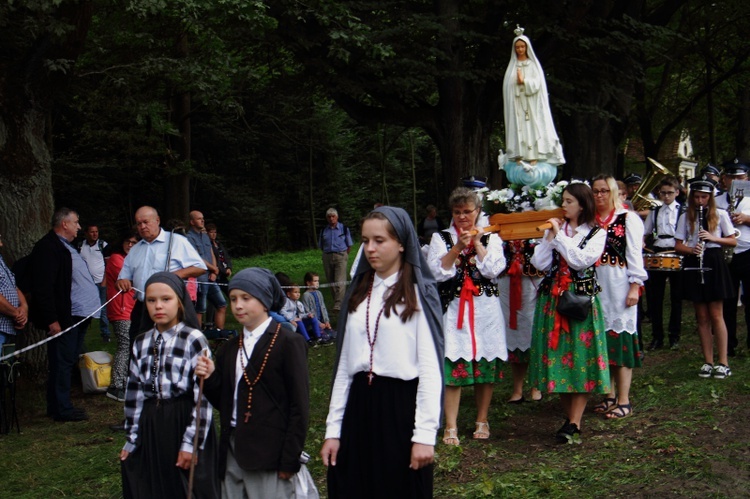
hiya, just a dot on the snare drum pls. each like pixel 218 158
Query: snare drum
pixel 667 262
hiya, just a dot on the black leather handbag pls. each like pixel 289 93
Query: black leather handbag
pixel 573 306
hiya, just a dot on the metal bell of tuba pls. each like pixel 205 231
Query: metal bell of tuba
pixel 640 199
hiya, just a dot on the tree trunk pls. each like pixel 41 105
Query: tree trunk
pixel 26 200
pixel 27 94
pixel 177 186
pixel 743 124
pixel 34 362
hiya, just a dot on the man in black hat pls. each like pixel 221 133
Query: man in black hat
pixel 633 182
pixel 738 206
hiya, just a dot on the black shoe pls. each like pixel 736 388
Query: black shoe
pixel 674 345
pixel 656 345
pixel 118 427
pixel 566 433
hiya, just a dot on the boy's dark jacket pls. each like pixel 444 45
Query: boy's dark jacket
pixel 274 436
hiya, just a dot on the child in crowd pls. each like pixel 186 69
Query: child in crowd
pixel 161 397
pixel 313 301
pixel 294 311
pixel 260 384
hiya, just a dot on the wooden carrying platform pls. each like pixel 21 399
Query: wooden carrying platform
pixel 521 225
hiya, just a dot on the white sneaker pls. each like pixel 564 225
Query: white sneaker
pixel 706 371
pixel 721 371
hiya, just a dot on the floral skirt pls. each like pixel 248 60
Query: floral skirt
pixel 467 373
pixel 519 356
pixel 580 363
pixel 623 349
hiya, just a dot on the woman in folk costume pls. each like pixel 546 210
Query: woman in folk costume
pixel 518 287
pixel 161 397
pixel 620 274
pixel 529 130
pixel 466 265
pixel 385 404
pixel 701 233
pixel 569 356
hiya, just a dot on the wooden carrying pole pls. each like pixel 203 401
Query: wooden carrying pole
pixel 524 225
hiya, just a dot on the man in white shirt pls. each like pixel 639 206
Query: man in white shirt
pixel 157 251
pixel 738 205
pixel 92 250
pixel 661 222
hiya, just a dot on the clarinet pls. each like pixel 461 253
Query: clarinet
pixel 703 247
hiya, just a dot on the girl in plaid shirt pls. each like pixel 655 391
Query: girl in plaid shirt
pixel 161 399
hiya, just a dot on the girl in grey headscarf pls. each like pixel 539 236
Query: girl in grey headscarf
pixel 385 405
pixel 162 409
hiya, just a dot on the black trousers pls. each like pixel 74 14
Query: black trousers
pixel 655 290
pixel 739 270
pixel 62 355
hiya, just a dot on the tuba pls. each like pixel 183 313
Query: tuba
pixel 640 198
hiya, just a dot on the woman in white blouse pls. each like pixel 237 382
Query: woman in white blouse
pixel 465 263
pixel 621 274
pixel 385 405
pixel 569 356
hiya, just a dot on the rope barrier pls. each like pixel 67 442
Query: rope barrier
pixel 325 285
pixel 50 338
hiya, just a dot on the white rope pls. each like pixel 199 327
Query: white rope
pixel 325 285
pixel 50 338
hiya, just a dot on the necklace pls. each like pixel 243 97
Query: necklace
pixel 371 341
pixel 604 223
pixel 251 385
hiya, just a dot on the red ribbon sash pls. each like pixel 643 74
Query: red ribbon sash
pixel 515 272
pixel 561 284
pixel 468 292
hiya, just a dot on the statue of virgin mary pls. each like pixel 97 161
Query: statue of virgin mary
pixel 530 135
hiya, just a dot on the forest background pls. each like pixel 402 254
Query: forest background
pixel 262 114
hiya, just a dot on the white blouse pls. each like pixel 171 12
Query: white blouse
pixel 689 235
pixel 567 246
pixel 402 350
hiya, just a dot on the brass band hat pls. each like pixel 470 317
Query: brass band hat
pixel 736 167
pixel 473 182
pixel 633 179
pixel 710 169
pixel 702 184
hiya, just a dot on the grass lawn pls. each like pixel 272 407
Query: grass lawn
pixel 687 436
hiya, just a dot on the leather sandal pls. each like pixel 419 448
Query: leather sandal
pixel 606 405
pixel 482 431
pixel 450 436
pixel 620 411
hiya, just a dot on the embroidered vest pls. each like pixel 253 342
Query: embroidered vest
pixel 526 248
pixel 465 263
pixel 584 280
pixel 614 249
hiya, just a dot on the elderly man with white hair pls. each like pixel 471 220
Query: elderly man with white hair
pixel 335 241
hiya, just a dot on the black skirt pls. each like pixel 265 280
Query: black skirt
pixel 717 282
pixel 150 471
pixel 375 452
